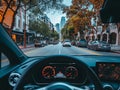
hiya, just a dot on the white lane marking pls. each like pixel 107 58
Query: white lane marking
pixel 60 48
pixel 59 51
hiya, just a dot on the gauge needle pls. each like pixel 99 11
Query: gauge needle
pixel 46 74
pixel 69 74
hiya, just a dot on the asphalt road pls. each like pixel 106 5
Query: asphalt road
pixel 58 49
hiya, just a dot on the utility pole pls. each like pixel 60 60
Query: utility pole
pixel 25 29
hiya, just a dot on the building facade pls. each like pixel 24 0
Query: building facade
pixel 21 24
pixel 44 18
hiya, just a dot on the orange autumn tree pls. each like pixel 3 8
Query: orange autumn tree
pixel 82 11
pixel 7 11
pixel 80 14
pixel 9 8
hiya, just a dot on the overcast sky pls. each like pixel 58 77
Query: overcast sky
pixel 55 16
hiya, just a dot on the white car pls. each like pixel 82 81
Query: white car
pixel 66 44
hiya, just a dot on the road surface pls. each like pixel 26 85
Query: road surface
pixel 58 49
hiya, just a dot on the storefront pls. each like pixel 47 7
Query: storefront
pixel 104 38
pixel 112 38
pixel 18 37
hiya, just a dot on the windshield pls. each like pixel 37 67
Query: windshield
pixel 40 27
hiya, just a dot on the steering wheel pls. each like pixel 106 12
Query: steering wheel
pixel 59 85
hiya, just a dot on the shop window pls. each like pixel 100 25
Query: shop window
pixel 113 38
pixel 98 37
pixel 104 37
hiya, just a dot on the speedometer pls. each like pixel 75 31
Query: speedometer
pixel 48 72
pixel 71 72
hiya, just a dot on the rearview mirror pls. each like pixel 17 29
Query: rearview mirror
pixel 110 11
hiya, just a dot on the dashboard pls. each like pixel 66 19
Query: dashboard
pixel 60 72
pixel 69 71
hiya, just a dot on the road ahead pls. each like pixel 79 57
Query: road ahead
pixel 60 50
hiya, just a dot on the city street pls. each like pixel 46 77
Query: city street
pixel 58 49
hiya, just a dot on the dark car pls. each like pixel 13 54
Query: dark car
pixel 73 43
pixel 81 43
pixel 89 45
pixel 38 44
pixel 102 46
pixel 99 45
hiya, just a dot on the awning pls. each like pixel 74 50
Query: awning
pixel 17 32
pixel 22 33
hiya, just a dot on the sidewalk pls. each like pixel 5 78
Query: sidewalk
pixel 28 47
pixel 116 52
pixel 115 48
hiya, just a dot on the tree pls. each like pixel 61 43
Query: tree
pixel 10 8
pixel 40 27
pixel 81 12
pixel 8 11
pixel 54 35
pixel 68 31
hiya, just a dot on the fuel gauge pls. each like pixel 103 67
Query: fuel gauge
pixel 71 72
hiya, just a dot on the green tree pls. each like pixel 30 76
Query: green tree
pixel 68 31
pixel 14 5
pixel 40 27
pixel 44 5
pixel 55 35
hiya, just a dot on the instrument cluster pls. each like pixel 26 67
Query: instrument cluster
pixel 62 72
pixel 69 72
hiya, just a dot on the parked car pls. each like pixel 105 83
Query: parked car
pixel 103 46
pixel 99 45
pixel 55 42
pixel 43 42
pixel 81 43
pixel 89 45
pixel 73 42
pixel 38 44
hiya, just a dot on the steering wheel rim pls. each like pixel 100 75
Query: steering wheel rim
pixel 91 73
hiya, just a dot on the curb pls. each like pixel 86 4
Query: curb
pixel 26 47
pixel 116 52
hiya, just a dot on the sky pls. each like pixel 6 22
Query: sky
pixel 55 16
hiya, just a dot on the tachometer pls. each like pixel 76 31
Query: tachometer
pixel 71 72
pixel 48 72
